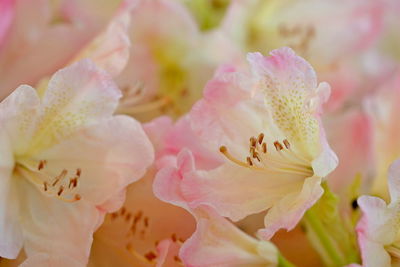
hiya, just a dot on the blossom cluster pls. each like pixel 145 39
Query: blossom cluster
pixel 199 133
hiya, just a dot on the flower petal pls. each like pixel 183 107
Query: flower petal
pixel 294 206
pixel 234 191
pixel 109 155
pixel 217 242
pixel 10 230
pixel 77 96
pixel 19 115
pixel 52 227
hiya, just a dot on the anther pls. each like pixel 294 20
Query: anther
pixel 173 237
pixel 286 143
pixel 260 138
pixel 123 210
pixel 77 197
pixel 42 164
pixel 73 182
pixel 146 222
pixel 253 142
pixel 150 256
pixel 223 149
pixel 45 186
pixel 78 172
pixel 60 190
pixel 264 147
pixel 278 146
pixel 249 161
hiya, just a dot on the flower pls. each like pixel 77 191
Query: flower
pixel 379 226
pixel 49 32
pixel 145 231
pixel 383 109
pixel 216 241
pixel 267 127
pixel 309 28
pixel 170 60
pixel 66 161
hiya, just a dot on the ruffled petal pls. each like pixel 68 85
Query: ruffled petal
pixel 217 242
pixel 77 96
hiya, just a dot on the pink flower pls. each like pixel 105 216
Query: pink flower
pixel 277 108
pixel 51 34
pixel 383 108
pixel 216 241
pixel 66 161
pixel 378 228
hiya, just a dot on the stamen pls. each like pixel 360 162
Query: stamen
pixel 249 161
pixel 260 138
pixel 286 143
pixel 60 190
pixel 259 160
pixel 224 151
pixel 137 255
pixel 55 187
pixel 150 256
pixel 42 164
pixel 278 146
pixel 264 148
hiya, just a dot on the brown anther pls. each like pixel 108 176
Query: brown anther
pixel 278 146
pixel 181 240
pixel 173 237
pixel 150 256
pixel 249 161
pixel 286 143
pixel 253 142
pixel 114 215
pixel 138 216
pixel 223 149
pixel 177 259
pixel 60 190
pixel 156 243
pixel 42 164
pixel 45 186
pixel 73 182
pixel 77 197
pixel 255 156
pixel 128 216
pixel 146 222
pixel 260 138
pixel 123 210
pixel 78 172
pixel 264 147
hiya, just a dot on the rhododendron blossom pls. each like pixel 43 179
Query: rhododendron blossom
pixel 65 162
pixel 379 227
pixel 266 125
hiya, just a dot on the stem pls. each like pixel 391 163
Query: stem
pixel 283 262
pixel 329 247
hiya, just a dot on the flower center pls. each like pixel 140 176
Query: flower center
pixel 62 186
pixel 283 160
pixel 136 227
